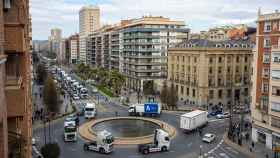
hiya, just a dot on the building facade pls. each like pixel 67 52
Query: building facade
pixel 266 87
pixel 55 41
pixel 208 73
pixel 89 20
pixel 145 44
pixel 15 114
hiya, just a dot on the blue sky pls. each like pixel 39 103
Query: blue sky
pixel 197 14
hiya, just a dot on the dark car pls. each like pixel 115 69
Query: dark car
pixel 81 109
pixel 214 113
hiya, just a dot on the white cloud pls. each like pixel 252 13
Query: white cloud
pixel 198 14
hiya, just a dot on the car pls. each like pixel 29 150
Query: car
pixel 214 113
pixel 73 117
pixel 81 110
pixel 208 137
pixel 224 115
pixel 76 97
pixel 94 90
pixel 33 141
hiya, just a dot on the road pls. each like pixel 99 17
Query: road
pixel 182 146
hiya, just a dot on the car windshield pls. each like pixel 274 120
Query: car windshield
pixel 70 129
pixel 89 109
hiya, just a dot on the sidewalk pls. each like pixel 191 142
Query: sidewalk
pixel 258 151
pixel 38 105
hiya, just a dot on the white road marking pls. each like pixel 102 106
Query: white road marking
pixel 227 152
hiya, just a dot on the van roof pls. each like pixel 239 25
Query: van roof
pixel 90 105
pixel 193 113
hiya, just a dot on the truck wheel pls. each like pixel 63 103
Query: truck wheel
pixel 101 150
pixel 145 151
pixel 164 149
pixel 85 147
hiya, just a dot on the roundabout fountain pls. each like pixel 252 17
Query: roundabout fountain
pixel 126 130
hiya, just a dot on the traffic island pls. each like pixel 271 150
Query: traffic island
pixel 87 133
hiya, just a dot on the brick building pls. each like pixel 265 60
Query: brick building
pixel 15 114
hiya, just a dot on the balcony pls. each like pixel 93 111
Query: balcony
pixel 13 88
pixel 14 38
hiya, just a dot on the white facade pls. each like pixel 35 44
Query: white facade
pixel 89 20
pixel 73 51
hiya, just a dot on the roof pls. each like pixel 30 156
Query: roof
pixel 205 43
pixel 193 113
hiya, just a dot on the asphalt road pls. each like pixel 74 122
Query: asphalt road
pixel 182 146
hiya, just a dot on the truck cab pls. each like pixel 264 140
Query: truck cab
pixel 90 110
pixel 103 143
pixel 70 131
pixel 161 143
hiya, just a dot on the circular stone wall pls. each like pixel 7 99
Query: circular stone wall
pixel 87 131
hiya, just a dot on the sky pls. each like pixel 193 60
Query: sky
pixel 197 14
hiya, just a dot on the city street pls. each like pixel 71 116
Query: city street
pixel 183 145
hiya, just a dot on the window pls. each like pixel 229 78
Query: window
pixel 228 69
pixel 210 60
pixel 246 59
pixel 194 69
pixel 220 82
pixel 265 87
pixel 177 58
pixel 194 59
pixel 246 91
pixel 220 69
pixel 183 68
pixel 267 26
pixel 276 58
pixel 182 89
pixel 210 70
pixel 220 59
pixel 275 106
pixel 7 4
pixel 266 72
pixel 220 94
pixel 237 59
pixel 245 68
pixel 266 58
pixel 267 42
pixel 275 122
pixel 237 69
pixel 188 91
pixel 193 92
pixel 229 93
pixel 183 58
pixel 275 74
pixel 275 91
pixel 211 94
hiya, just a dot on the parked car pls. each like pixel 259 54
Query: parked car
pixel 214 113
pixel 224 115
pixel 208 137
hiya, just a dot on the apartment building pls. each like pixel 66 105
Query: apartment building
pixel 145 44
pixel 55 41
pixel 266 87
pixel 89 21
pixel 207 73
pixel 15 114
pixel 72 49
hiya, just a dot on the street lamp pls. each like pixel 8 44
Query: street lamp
pixel 200 150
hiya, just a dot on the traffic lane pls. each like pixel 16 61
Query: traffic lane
pixel 224 151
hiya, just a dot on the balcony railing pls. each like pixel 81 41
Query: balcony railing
pixel 13 82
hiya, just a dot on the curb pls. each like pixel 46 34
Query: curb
pixel 88 134
pixel 241 149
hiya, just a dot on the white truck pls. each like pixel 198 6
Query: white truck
pixel 193 120
pixel 70 131
pixel 147 109
pixel 161 143
pixel 84 92
pixel 90 110
pixel 103 144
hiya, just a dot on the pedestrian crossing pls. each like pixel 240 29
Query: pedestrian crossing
pixel 222 151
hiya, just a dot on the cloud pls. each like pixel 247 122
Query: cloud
pixel 198 14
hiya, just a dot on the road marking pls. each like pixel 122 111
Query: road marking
pixel 232 150
pixel 227 152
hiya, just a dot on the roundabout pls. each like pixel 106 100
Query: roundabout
pixel 126 130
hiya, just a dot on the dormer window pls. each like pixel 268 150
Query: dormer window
pixel 244 45
pixel 227 45
pixel 267 26
pixel 218 45
pixel 235 45
pixel 7 4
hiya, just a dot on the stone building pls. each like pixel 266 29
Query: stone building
pixel 211 73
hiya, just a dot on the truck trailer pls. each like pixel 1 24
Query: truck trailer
pixel 147 109
pixel 193 120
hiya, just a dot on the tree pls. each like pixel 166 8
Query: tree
pixel 172 96
pixel 41 73
pixel 148 88
pixel 50 150
pixel 50 96
pixel 116 81
pixel 164 93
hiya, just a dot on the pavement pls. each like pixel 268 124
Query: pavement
pixel 182 146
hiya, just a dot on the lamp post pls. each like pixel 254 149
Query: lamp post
pixel 200 150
